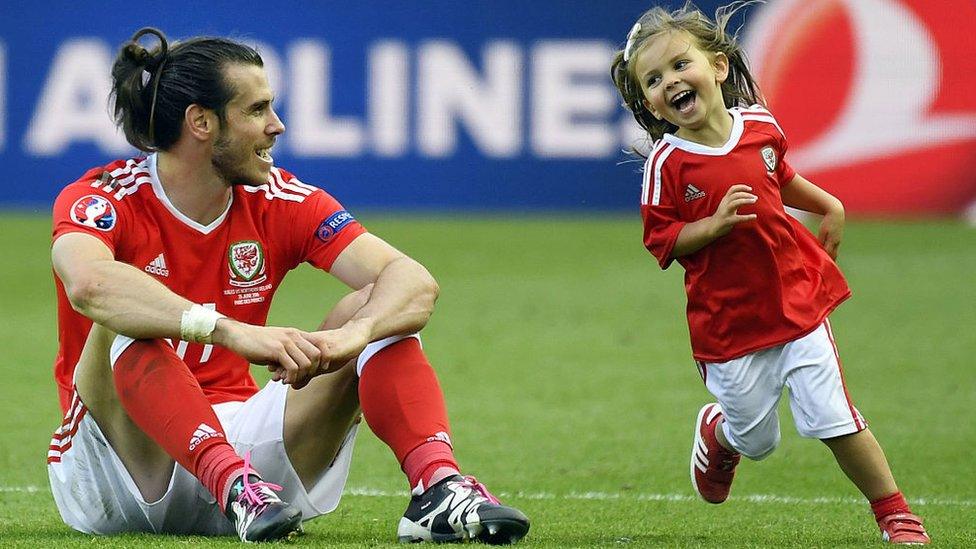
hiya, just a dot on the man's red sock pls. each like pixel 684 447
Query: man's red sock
pixel 163 398
pixel 895 503
pixel 404 406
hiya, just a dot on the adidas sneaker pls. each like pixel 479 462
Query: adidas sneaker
pixel 256 510
pixel 459 509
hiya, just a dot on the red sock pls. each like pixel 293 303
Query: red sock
pixel 403 405
pixel 163 398
pixel 895 503
pixel 428 464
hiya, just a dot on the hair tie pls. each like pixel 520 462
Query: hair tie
pixel 151 62
pixel 631 37
pixel 152 69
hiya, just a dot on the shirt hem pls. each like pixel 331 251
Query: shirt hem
pixel 224 397
pixel 768 345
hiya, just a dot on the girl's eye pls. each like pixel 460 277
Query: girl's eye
pixel 680 65
pixel 653 81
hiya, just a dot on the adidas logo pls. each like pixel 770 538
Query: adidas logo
pixel 202 433
pixel 693 193
pixel 158 266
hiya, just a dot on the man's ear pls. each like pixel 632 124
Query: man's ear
pixel 721 66
pixel 200 123
pixel 650 109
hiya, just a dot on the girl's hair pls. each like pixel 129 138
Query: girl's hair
pixel 739 89
pixel 151 89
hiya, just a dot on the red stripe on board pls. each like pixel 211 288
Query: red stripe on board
pixel 840 368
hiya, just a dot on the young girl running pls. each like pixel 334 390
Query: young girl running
pixel 760 286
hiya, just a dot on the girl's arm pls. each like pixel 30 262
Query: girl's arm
pixel 695 236
pixel 804 195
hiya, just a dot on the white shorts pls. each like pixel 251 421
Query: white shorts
pixel 95 493
pixel 749 388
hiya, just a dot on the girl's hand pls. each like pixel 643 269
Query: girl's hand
pixel 727 215
pixel 832 230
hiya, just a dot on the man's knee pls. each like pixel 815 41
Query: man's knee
pixel 144 361
pixel 347 307
pixel 94 368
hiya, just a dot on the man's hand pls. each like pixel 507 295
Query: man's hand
pixel 727 214
pixel 286 351
pixel 339 346
pixel 832 230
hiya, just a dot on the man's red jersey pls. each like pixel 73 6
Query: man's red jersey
pixel 235 264
pixel 765 283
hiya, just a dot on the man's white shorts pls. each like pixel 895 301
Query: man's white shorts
pixel 749 388
pixel 95 493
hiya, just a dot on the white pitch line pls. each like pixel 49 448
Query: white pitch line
pixel 23 489
pixel 609 496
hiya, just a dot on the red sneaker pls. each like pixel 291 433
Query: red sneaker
pixel 712 466
pixel 903 528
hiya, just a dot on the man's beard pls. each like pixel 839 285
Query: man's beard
pixel 229 161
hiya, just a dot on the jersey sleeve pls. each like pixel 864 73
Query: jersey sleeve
pixel 322 228
pixel 784 171
pixel 84 207
pixel 660 214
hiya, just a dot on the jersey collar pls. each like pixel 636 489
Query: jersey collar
pixel 698 148
pixel 161 195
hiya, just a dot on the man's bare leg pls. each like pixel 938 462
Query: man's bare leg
pixel 318 416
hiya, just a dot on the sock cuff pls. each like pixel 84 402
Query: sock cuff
pixel 376 347
pixel 120 344
pixel 438 471
pixel 422 459
pixel 894 503
pixel 228 484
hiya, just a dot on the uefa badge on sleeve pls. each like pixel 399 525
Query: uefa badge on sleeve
pixel 94 211
pixel 245 261
pixel 769 158
pixel 332 225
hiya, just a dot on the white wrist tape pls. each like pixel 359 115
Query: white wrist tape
pixel 197 324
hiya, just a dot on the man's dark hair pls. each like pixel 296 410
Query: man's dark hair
pixel 152 88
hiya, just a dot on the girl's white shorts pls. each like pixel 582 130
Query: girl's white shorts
pixel 749 388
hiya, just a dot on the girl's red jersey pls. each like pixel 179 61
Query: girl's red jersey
pixel 235 264
pixel 766 282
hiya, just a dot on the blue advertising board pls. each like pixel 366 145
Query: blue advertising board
pixel 478 105
pixel 507 104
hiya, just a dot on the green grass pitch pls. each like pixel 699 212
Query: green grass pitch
pixel 564 356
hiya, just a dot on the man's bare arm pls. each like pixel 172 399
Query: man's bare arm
pixel 127 301
pixel 401 301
